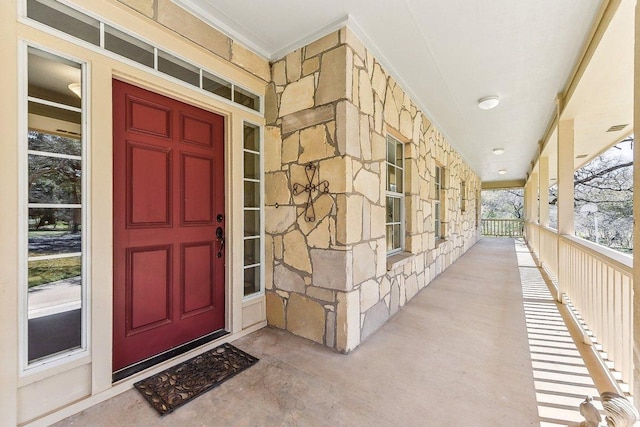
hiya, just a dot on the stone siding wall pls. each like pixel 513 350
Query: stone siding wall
pixel 182 22
pixel 330 280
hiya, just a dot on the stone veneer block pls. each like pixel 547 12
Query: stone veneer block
pixel 349 219
pixel 374 319
pixel 278 220
pixel 273 149
pixel 306 118
pixel 347 36
pixel 320 45
pixel 366 94
pixel 250 61
pixel 297 96
pixel 276 188
pixel 411 286
pixel 291 148
pixel 337 172
pixel 184 23
pixel 364 263
pixel 369 294
pixel 143 6
pixel 334 83
pixel 287 280
pixel 321 294
pixel 310 66
pixel 348 321
pixel 275 310
pixel 348 129
pixel 305 318
pixel 314 144
pixel 320 237
pixel 332 269
pixel 378 147
pixel 295 251
pixel 330 339
pixel 279 73
pixel 270 104
pixel 294 65
pixel 368 184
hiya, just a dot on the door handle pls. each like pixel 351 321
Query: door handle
pixel 220 239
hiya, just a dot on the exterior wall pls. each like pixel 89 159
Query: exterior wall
pixel 44 395
pixel 330 280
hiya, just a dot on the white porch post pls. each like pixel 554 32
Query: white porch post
pixel 636 213
pixel 565 195
pixel 543 187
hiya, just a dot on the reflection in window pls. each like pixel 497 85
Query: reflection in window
pixel 252 209
pixel 55 207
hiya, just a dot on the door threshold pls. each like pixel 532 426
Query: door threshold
pixel 162 357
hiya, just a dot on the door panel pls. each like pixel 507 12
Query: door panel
pixel 168 188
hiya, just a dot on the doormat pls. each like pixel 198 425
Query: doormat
pixel 179 384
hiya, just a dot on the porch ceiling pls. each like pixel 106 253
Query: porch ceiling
pixel 604 95
pixel 446 54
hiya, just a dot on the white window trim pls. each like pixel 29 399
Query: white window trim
pixel 260 209
pixel 50 363
pixel 397 195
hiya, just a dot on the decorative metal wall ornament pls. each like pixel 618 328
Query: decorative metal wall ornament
pixel 310 188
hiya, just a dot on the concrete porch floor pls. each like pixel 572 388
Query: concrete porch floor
pixel 457 355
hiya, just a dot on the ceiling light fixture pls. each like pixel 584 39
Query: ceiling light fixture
pixel 488 102
pixel 502 171
pixel 498 151
pixel 76 88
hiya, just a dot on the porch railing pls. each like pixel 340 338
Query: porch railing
pixel 502 227
pixel 598 282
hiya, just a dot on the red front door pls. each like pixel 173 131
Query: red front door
pixel 168 201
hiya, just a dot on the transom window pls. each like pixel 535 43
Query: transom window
pixel 92 30
pixel 395 195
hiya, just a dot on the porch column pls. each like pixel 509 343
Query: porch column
pixel 636 213
pixel 543 187
pixel 565 193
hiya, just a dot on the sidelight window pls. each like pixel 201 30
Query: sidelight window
pixel 253 253
pixel 55 214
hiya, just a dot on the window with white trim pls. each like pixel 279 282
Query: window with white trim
pixel 438 202
pixel 395 195
pixel 463 196
pixel 55 208
pixel 253 248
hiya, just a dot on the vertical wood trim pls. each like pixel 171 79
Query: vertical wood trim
pixel 543 185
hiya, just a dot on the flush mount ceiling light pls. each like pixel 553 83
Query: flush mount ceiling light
pixel 498 151
pixel 502 171
pixel 76 88
pixel 488 102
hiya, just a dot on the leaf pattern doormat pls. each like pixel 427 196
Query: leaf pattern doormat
pixel 179 384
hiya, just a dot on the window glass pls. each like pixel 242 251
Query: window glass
pixel 246 98
pixel 178 68
pixel 55 205
pixel 65 19
pixel 130 47
pixel 216 85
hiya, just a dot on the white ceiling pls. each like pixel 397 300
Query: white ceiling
pixel 446 54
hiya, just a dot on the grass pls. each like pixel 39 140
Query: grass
pixel 51 270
